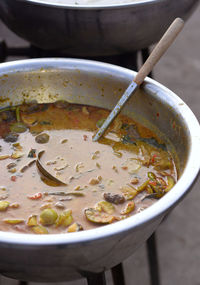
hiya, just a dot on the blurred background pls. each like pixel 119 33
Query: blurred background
pixel 178 237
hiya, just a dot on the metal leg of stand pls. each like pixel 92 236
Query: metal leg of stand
pixel 118 275
pixel 96 279
pixel 153 260
pixel 23 283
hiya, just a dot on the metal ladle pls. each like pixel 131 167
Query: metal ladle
pixel 164 43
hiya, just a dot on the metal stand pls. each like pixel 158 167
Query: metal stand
pixel 96 279
pixel 118 275
pixel 153 260
pixel 23 283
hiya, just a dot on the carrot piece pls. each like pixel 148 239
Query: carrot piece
pixel 36 196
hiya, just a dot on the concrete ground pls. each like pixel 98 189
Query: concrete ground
pixel 179 235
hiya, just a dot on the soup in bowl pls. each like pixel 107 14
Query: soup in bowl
pixel 74 205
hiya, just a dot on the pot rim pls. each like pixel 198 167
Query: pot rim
pixel 51 3
pixel 157 209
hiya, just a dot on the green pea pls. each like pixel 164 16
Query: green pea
pixel 48 217
pixel 4 205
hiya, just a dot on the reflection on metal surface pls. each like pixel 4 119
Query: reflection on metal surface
pixel 93 31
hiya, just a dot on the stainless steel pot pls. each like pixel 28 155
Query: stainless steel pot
pixel 93 30
pixel 69 256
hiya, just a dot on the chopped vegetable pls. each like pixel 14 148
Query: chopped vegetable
pixel 61 167
pixel 170 183
pixel 96 216
pixel 129 208
pixel 64 219
pixel 134 181
pixel 153 196
pixel 85 111
pixel 106 207
pixel 2 157
pixel 13 221
pixel 75 227
pixel 152 176
pixel 132 165
pixel 85 137
pixel 117 124
pixel 32 221
pixel 39 230
pixel 60 205
pixel 163 164
pixel 13 178
pixel 11 137
pixel 13 170
pixel 129 192
pixel 64 141
pixel 114 198
pixel 36 196
pixel 32 153
pixel 96 155
pixel 42 138
pixel 143 186
pixel 93 181
pixel 18 127
pixel 11 165
pixel 98 165
pixel 17 154
pixel 18 113
pixel 117 153
pixel 4 205
pixel 14 205
pixel 7 114
pixel 100 123
pixel 127 139
pixel 153 142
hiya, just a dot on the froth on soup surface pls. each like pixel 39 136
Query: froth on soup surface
pixel 55 179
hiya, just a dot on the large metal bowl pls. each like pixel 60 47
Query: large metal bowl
pixel 69 256
pixel 93 30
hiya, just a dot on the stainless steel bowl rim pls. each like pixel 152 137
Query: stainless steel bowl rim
pixel 169 200
pixel 136 3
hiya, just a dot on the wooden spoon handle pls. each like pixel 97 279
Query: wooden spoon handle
pixel 164 43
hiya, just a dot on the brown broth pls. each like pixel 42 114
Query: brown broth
pixel 130 162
